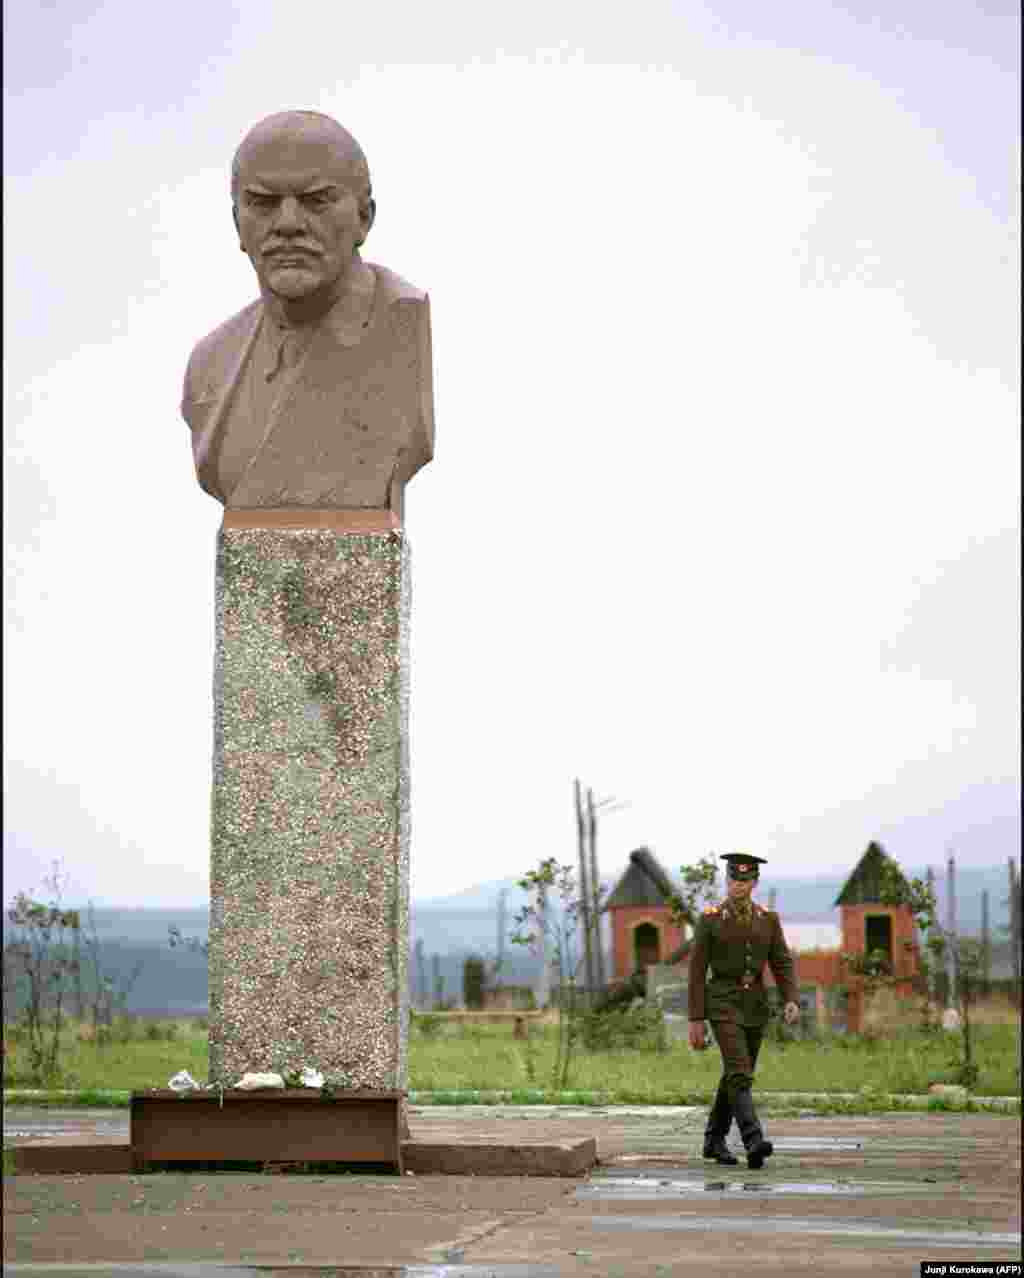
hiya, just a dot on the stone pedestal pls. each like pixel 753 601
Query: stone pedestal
pixel 309 880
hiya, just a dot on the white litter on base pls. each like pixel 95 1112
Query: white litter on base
pixel 252 1082
pixel 182 1082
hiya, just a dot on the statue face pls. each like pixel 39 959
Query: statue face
pixel 298 214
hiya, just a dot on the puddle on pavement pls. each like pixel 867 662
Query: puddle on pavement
pixel 655 1179
pixel 784 1145
pixel 658 1185
pixel 830 1228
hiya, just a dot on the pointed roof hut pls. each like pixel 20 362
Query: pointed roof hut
pixel 871 924
pixel 865 884
pixel 643 930
pixel 644 882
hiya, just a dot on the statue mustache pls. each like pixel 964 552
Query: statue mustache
pixel 276 249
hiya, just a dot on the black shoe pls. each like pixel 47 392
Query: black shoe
pixel 758 1152
pixel 716 1148
pixel 719 1122
pixel 758 1149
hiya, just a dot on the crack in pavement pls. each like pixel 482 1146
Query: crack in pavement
pixel 454 1251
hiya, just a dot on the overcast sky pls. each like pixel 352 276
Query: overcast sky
pixel 723 516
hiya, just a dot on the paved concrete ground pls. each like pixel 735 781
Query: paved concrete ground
pixel 849 1195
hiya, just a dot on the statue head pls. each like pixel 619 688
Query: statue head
pixel 301 202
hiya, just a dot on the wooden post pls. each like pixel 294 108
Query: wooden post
pixel 422 993
pixel 933 976
pixel 986 945
pixel 595 889
pixel 502 909
pixel 1015 926
pixel 581 838
pixel 1015 951
pixel 544 977
pixel 951 937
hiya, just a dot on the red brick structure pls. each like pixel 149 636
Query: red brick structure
pixel 643 933
pixel 641 918
pixel 869 926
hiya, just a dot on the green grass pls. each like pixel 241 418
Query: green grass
pixel 902 1062
pixel 487 1058
pixel 127 1063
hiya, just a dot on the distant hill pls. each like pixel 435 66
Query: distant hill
pixel 173 982
pixel 800 900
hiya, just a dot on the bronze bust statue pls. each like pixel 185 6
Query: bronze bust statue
pixel 318 395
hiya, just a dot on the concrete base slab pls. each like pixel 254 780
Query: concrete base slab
pixel 103 1160
pixel 867 1197
pixel 422 1158
pixel 495 1158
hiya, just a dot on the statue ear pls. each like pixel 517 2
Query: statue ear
pixel 367 214
pixel 234 218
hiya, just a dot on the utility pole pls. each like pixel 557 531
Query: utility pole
pixel 79 999
pixel 422 993
pixel 1015 926
pixel 933 976
pixel 951 938
pixel 1015 950
pixel 502 906
pixel 585 896
pixel 544 978
pixel 595 888
pixel 986 945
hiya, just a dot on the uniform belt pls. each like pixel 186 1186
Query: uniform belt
pixel 745 982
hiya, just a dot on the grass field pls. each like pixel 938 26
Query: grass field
pixel 489 1058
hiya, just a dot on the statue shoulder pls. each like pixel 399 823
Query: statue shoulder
pixel 394 288
pixel 217 349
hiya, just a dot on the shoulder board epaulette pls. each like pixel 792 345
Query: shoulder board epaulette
pixel 713 909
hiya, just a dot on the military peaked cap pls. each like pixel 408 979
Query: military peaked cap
pixel 742 866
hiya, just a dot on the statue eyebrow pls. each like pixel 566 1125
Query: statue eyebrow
pixel 259 189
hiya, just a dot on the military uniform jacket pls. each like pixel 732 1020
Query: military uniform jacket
pixel 727 962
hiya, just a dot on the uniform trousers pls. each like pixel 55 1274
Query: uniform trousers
pixel 739 1045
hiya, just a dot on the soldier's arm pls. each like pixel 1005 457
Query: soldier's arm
pixel 780 960
pixel 698 970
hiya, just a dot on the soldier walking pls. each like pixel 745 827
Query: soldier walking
pixel 735 940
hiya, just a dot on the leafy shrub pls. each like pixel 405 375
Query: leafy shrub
pixel 427 1024
pixel 642 1029
pixel 160 1031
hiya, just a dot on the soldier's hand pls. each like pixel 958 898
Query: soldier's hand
pixel 698 1040
pixel 791 1013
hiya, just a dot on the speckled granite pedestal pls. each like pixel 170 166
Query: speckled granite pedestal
pixel 310 818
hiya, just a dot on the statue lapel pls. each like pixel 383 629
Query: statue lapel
pixel 288 391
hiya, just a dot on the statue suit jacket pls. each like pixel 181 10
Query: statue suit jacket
pixel 732 949
pixel 349 424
